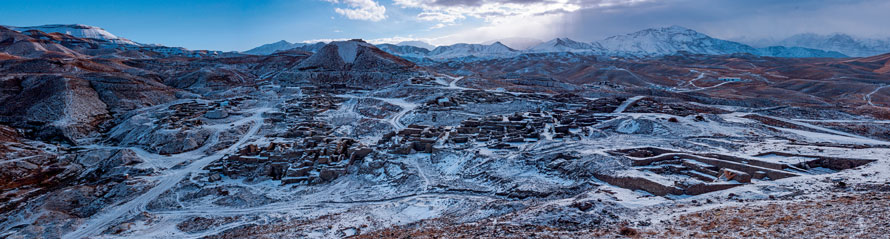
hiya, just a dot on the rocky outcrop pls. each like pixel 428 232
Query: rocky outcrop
pixel 125 92
pixel 138 131
pixel 354 55
pixel 63 108
pixel 352 63
pixel 204 80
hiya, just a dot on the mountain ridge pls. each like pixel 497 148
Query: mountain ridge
pixel 839 42
pixel 649 42
pixel 78 30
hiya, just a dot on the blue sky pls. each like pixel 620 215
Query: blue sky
pixel 202 24
pixel 243 24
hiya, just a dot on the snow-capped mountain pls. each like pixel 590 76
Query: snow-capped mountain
pixel 796 52
pixel 273 47
pixel 420 44
pixel 518 43
pixel 283 45
pixel 565 45
pixel 842 43
pixel 78 30
pixel 311 47
pixel 406 51
pixel 675 39
pixel 17 44
pixel 670 40
pixel 494 50
pixel 89 41
pixel 646 43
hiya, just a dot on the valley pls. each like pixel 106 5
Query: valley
pixel 102 137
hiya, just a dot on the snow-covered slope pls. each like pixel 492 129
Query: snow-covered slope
pixel 670 40
pixel 420 44
pixel 404 50
pixel 518 43
pixel 565 45
pixel 348 49
pixel 494 50
pixel 311 47
pixel 675 39
pixel 14 43
pixel 645 43
pixel 842 43
pixel 34 42
pixel 283 45
pixel 273 47
pixel 797 52
pixel 78 30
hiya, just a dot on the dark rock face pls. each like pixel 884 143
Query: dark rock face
pixel 135 132
pixel 354 55
pixel 67 108
pixel 204 80
pixel 63 184
pixel 108 163
pixel 124 93
pixel 37 167
pixel 351 64
pixel 70 104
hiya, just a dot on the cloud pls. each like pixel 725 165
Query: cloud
pixel 368 10
pixel 437 26
pixel 590 20
pixel 439 17
pixel 449 11
pixel 503 18
pixel 521 26
pixel 733 19
pixel 476 21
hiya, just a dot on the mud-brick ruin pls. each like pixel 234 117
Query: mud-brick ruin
pixel 314 160
pixel 680 173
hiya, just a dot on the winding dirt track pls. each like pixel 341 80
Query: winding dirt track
pixel 98 223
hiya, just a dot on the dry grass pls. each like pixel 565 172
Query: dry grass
pixel 856 216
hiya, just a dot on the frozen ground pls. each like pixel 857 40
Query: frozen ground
pixel 563 167
pixel 345 139
pixel 466 183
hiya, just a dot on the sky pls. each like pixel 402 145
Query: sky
pixel 237 25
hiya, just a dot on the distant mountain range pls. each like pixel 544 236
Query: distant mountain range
pixel 283 45
pixel 846 44
pixel 76 40
pixel 407 51
pixel 518 43
pixel 421 44
pixel 77 30
pixel 496 49
pixel 565 45
pixel 646 43
pixel 270 48
pixel 675 39
pixel 669 41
